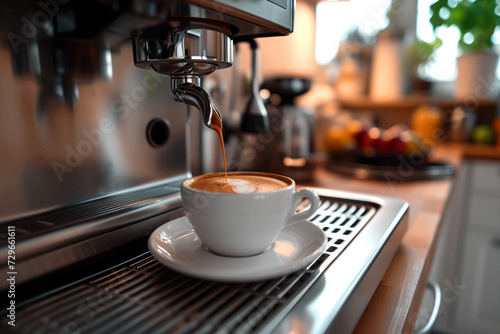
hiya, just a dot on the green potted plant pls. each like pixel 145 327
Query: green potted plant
pixel 418 55
pixel 476 22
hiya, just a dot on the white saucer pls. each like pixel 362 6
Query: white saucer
pixel 177 246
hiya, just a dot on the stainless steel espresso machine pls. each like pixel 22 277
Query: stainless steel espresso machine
pixel 101 110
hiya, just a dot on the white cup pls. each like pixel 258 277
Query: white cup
pixel 244 224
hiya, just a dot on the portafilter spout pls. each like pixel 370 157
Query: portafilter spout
pixel 186 50
pixel 184 90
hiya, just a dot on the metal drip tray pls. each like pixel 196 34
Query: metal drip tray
pixel 140 295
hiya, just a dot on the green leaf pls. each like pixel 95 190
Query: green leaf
pixel 475 18
pixel 436 20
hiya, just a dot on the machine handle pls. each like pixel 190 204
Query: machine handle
pixel 435 310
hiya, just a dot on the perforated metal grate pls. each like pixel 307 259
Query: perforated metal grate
pixel 143 296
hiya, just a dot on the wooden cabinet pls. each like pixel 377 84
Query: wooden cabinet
pixel 467 263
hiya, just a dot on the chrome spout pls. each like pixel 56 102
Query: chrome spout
pixel 188 90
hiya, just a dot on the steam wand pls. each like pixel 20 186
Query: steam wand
pixel 254 117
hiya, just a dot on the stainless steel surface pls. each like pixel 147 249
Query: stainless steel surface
pixel 141 295
pixel 60 67
pixel 61 237
pixel 56 153
pixel 180 49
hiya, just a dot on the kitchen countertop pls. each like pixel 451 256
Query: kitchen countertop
pixel 480 151
pixel 395 303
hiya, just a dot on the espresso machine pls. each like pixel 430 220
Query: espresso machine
pixel 103 98
pixel 102 111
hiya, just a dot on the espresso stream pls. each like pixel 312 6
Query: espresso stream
pixel 217 126
pixel 239 183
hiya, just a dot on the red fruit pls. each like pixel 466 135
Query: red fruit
pixel 360 137
pixel 380 145
pixel 396 146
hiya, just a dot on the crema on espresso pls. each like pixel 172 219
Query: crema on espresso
pixel 239 183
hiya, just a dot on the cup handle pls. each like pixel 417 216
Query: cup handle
pixel 303 215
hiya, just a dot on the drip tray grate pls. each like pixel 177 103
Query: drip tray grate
pixel 143 296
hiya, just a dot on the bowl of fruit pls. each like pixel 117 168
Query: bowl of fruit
pixel 365 143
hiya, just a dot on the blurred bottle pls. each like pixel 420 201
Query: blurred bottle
pixel 461 122
pixel 386 80
pixel 427 122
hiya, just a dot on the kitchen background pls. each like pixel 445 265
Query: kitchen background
pixel 377 64
pixel 369 71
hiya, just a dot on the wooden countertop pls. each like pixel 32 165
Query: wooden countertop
pixel 481 151
pixel 396 301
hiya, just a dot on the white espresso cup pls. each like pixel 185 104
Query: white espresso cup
pixel 246 220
